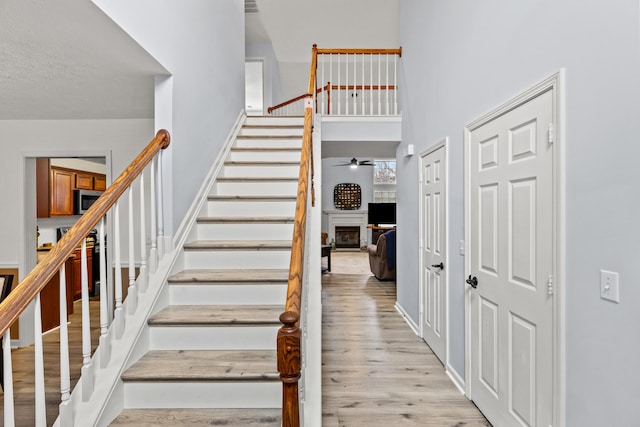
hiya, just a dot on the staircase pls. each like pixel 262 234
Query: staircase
pixel 211 356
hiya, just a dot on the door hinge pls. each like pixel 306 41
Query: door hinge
pixel 550 285
pixel 551 134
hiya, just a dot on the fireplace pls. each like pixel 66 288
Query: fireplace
pixel 347 237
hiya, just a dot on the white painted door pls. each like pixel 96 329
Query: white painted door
pixel 512 253
pixel 434 244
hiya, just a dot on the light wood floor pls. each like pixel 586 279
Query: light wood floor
pixel 376 371
pixel 23 367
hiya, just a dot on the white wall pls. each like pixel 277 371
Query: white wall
pixel 460 59
pixel 20 139
pixel 272 84
pixel 201 43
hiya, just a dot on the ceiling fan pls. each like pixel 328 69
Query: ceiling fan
pixel 354 163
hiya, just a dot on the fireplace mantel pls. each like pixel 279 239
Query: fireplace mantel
pixel 345 218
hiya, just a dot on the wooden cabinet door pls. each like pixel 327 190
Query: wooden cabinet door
pixel 84 181
pixel 100 182
pixel 61 192
pixel 77 273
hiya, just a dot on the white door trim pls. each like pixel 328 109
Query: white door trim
pixel 555 83
pixel 443 143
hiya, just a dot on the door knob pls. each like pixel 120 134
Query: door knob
pixel 473 281
pixel 440 266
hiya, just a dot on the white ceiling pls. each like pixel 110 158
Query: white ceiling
pixel 65 59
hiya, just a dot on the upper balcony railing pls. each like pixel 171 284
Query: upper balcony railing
pixel 352 82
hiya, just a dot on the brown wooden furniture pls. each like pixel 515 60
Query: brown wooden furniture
pixel 55 187
pixel 6 281
pixel 326 252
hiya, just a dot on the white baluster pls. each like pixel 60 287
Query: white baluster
pixel 339 79
pixel 119 315
pixel 330 108
pixel 132 293
pixel 362 92
pixel 41 406
pixel 346 98
pixel 104 342
pixel 160 202
pixel 153 251
pixel 9 410
pixel 322 98
pixel 65 408
pixel 379 85
pixel 87 377
pixel 371 85
pixel 395 84
pixel 387 88
pixel 355 84
pixel 142 276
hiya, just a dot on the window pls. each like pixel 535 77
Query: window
pixel 384 181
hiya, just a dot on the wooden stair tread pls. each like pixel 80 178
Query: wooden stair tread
pixel 267 126
pixel 252 198
pixel 265 148
pixel 238 244
pixel 261 163
pixel 232 315
pixel 256 179
pixel 204 365
pixel 269 136
pixel 256 276
pixel 177 417
pixel 246 220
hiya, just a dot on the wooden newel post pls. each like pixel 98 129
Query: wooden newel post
pixel 289 366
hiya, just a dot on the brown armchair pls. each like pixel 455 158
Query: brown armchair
pixel 382 256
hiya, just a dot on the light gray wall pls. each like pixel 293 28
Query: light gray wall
pixel 272 85
pixel 201 43
pixel 460 59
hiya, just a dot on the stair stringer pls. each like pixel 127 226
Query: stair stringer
pixel 107 400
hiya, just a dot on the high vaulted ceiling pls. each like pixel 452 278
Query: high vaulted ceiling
pixel 65 59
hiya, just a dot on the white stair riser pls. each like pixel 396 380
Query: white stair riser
pixel 266 130
pixel 231 294
pixel 255 188
pixel 201 394
pixel 269 143
pixel 246 208
pixel 280 171
pixel 274 121
pixel 249 156
pixel 232 259
pixel 245 231
pixel 213 337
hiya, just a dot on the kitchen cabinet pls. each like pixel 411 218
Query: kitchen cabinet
pixel 77 272
pixel 50 296
pixel 61 196
pixel 84 181
pixel 55 188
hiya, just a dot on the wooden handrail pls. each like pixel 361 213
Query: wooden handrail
pixel 289 336
pixel 285 103
pixel 361 51
pixel 36 280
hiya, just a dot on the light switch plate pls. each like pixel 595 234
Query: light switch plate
pixel 610 286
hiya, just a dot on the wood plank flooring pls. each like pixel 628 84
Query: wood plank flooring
pixel 23 367
pixel 375 370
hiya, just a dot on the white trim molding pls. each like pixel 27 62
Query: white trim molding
pixel 408 319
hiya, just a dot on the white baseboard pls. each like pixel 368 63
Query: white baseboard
pixel 455 378
pixel 410 322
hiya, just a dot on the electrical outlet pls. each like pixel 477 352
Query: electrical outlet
pixel 461 249
pixel 610 286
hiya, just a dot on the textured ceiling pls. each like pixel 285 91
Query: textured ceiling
pixel 66 59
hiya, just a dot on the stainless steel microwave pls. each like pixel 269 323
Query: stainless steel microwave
pixel 84 199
